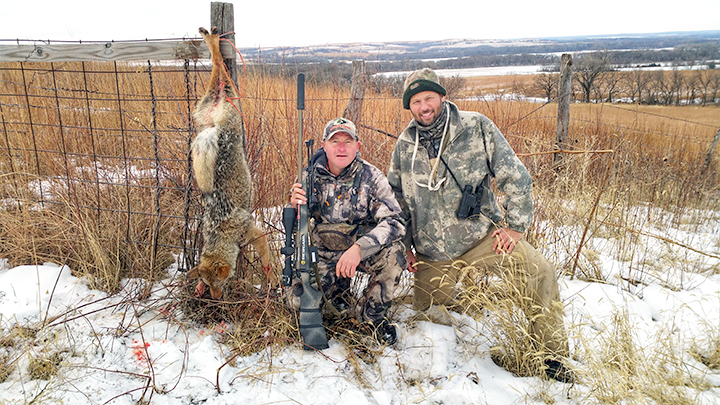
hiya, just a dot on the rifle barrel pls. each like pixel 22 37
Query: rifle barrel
pixel 300 107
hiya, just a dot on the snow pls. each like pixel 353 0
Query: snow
pixel 112 347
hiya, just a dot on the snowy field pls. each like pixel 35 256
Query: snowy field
pixel 110 349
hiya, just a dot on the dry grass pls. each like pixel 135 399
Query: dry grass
pixel 506 300
pixel 621 367
pixel 93 184
pixel 491 85
pixel 43 366
pixel 250 319
pixel 707 350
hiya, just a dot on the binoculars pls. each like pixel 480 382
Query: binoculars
pixel 470 202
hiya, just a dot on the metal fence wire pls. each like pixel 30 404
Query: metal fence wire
pixel 109 142
pixel 106 146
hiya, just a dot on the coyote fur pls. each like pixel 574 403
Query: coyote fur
pixel 223 177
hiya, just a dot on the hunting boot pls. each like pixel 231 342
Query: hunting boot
pixel 385 332
pixel 557 371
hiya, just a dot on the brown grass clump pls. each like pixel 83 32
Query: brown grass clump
pixel 251 318
pixel 707 350
pixel 712 359
pixel 70 234
pixel 10 340
pixel 508 304
pixel 6 367
pixel 43 366
pixel 617 368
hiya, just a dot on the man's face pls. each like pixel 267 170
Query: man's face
pixel 426 106
pixel 340 150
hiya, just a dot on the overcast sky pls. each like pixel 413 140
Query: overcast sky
pixel 266 23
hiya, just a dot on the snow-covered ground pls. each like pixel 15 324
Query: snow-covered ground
pixel 110 348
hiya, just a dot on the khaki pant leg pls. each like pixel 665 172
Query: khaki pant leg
pixel 536 276
pixel 434 283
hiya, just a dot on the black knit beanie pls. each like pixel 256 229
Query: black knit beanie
pixel 421 80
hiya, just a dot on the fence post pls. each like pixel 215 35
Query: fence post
pixel 223 17
pixel 711 151
pixel 357 92
pixel 563 117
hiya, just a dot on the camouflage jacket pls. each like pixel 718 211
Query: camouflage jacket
pixel 475 148
pixel 373 222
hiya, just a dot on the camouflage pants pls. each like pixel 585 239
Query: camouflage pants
pixel 435 284
pixel 384 269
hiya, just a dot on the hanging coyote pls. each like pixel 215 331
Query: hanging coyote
pixel 222 174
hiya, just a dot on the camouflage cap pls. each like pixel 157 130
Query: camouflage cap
pixel 337 125
pixel 421 80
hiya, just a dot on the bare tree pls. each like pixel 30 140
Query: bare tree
pixel 453 85
pixel 677 83
pixel 703 78
pixel 588 68
pixel 708 81
pixel 692 89
pixel 546 85
pixel 609 84
pixel 392 84
pixel 636 83
pixel 661 89
pixel 597 90
pixel 714 88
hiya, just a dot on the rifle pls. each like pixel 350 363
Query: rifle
pixel 305 255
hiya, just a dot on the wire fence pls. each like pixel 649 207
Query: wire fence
pixel 107 143
pixel 108 138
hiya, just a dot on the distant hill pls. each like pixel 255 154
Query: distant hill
pixel 457 53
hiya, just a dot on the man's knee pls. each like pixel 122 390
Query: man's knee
pixel 434 284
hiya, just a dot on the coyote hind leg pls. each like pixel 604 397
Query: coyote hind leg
pixel 212 40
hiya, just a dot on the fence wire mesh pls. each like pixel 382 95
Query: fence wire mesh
pixel 106 145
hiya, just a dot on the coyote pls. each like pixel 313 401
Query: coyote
pixel 223 177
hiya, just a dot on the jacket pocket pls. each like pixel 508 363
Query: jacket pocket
pixel 335 237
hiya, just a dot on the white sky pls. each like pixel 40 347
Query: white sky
pixel 267 23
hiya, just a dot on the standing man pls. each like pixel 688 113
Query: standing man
pixel 356 225
pixel 444 157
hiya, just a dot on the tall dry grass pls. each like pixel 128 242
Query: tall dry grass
pixel 96 175
pixel 101 150
pixel 620 366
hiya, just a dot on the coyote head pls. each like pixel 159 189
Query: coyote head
pixel 213 272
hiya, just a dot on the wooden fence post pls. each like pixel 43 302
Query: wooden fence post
pixel 357 92
pixel 711 151
pixel 563 114
pixel 223 17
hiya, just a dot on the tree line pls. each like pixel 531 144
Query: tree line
pixel 597 79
